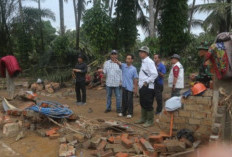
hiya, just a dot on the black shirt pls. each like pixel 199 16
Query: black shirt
pixel 80 76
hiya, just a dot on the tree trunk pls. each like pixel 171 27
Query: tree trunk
pixel 111 8
pixel 79 22
pixel 76 23
pixel 151 19
pixel 21 11
pixel 41 27
pixel 157 9
pixel 61 5
pixel 191 16
pixel 228 17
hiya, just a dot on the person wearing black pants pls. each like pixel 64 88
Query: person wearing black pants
pixel 79 74
pixel 159 83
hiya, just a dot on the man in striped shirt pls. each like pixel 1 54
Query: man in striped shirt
pixel 113 75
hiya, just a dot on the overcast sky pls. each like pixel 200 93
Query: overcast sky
pixel 69 14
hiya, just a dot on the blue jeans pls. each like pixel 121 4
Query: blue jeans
pixel 117 92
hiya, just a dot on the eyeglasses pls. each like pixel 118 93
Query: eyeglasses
pixel 113 53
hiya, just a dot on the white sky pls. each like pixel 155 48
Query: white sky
pixel 69 14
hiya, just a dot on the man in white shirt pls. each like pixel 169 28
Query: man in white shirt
pixel 113 74
pixel 176 76
pixel 147 75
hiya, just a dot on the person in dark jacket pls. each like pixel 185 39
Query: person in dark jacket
pixel 79 73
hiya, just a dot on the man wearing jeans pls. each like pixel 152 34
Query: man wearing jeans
pixel 147 75
pixel 129 85
pixel 113 75
pixel 159 83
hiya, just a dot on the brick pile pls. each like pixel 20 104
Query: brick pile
pixel 196 115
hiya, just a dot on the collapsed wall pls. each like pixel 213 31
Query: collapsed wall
pixel 197 114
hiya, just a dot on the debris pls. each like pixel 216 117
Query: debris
pixel 69 138
pixel 102 145
pixel 79 137
pixel 186 152
pixel 146 145
pixel 62 140
pixel 10 129
pixel 174 145
pixel 196 144
pixel 54 136
pixel 66 150
pixel 20 136
pixel 51 131
pixel 160 148
pixel 90 110
pixel 95 142
pixel 41 132
pixel 121 155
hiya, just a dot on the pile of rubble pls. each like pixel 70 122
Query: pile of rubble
pixel 48 87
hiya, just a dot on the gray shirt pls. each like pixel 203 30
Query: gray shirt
pixel 113 74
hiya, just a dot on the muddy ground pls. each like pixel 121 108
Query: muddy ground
pixel 36 146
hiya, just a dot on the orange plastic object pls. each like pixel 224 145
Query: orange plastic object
pixel 198 88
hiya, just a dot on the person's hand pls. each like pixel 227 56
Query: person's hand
pixel 117 61
pixel 77 70
pixel 135 91
pixel 73 76
pixel 173 88
pixel 145 84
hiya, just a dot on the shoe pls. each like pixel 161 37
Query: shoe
pixel 83 103
pixel 150 119
pixel 129 116
pixel 120 114
pixel 79 103
pixel 143 117
pixel 107 110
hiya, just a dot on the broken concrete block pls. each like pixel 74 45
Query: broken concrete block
pixel 79 137
pixel 111 139
pixel 62 140
pixel 11 129
pixel 127 143
pixel 66 150
pixel 175 145
pixel 121 155
pixel 146 145
pixel 137 148
pixel 73 143
pixel 156 138
pixel 161 148
pixel 94 142
pixel 69 138
pixel 41 132
pixel 102 145
pixel 107 153
pixel 20 136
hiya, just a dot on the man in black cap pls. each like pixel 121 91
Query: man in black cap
pixel 79 74
pixel 176 76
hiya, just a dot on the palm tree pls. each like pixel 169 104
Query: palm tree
pixel 219 18
pixel 21 10
pixel 151 18
pixel 61 7
pixel 79 8
pixel 191 16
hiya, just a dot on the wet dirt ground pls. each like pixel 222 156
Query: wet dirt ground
pixel 33 145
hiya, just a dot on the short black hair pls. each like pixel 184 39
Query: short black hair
pixel 157 55
pixel 132 56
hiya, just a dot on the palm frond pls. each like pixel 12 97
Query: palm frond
pixel 142 20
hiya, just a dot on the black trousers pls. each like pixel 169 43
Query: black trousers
pixel 146 98
pixel 80 91
pixel 127 102
pixel 159 97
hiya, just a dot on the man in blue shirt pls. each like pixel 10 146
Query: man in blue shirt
pixel 129 85
pixel 159 82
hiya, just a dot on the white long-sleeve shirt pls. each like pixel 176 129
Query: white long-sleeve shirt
pixel 148 73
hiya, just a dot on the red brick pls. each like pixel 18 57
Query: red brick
pixel 156 139
pixel 127 143
pixel 125 136
pixel 146 145
pixel 102 145
pixel 110 139
pixel 54 136
pixel 150 154
pixel 121 155
pixel 160 148
pixel 164 135
pixel 51 131
pixel 117 140
pixel 107 153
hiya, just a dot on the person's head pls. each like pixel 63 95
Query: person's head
pixel 203 48
pixel 144 52
pixel 113 55
pixel 156 58
pixel 129 59
pixel 80 59
pixel 175 58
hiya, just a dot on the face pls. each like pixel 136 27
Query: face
pixel 113 56
pixel 156 59
pixel 202 53
pixel 142 54
pixel 174 60
pixel 80 60
pixel 129 60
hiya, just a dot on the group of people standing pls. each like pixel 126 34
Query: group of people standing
pixel 123 76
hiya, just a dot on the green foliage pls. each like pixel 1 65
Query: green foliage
pixel 173 26
pixel 97 26
pixel 125 24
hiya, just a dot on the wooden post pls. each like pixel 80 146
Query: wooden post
pixel 10 85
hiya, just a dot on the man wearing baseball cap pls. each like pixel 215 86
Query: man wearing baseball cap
pixel 147 75
pixel 176 76
pixel 113 74
pixel 79 73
